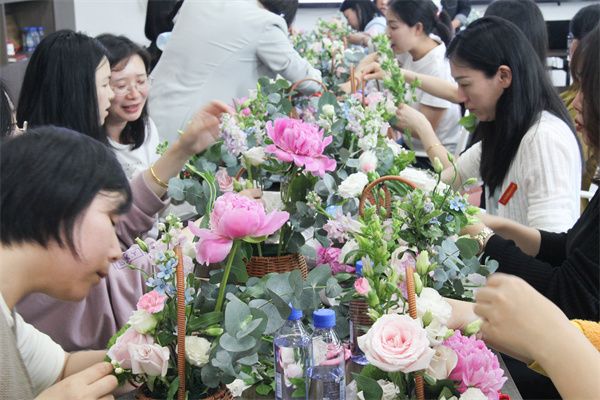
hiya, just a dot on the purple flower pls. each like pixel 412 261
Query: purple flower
pixel 477 366
pixel 331 256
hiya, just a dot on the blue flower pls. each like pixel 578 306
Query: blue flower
pixel 449 218
pixel 428 207
pixel 458 204
pixel 170 290
pixel 167 270
pixel 189 295
pixel 158 284
pixel 434 221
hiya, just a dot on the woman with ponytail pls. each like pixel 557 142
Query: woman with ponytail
pixel 419 32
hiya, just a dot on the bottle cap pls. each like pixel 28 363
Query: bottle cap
pixel 358 268
pixel 295 314
pixel 324 318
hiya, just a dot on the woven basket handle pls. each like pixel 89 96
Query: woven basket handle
pixel 181 325
pixel 293 113
pixel 412 310
pixel 368 189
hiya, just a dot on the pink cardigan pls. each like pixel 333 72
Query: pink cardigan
pixel 90 323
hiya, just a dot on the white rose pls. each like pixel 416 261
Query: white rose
pixel 367 162
pixel 390 390
pixel 328 110
pixel 142 321
pixel 436 332
pixel 255 156
pixel 197 350
pixel 473 394
pixel 443 362
pixel 353 185
pixel 237 387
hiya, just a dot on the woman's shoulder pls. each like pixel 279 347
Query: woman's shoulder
pixel 550 128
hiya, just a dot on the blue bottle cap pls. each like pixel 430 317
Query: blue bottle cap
pixel 358 268
pixel 295 314
pixel 324 318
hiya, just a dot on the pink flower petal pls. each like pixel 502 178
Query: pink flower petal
pixel 272 223
pixel 239 223
pixel 212 248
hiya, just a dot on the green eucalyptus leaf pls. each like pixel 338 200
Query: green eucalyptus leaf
pixel 368 386
pixel 230 343
pixel 468 247
pixel 176 189
pixel 235 313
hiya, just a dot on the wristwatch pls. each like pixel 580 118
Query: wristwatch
pixel 482 238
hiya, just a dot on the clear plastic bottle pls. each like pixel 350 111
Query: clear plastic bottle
pixel 327 372
pixel 291 344
pixel 357 329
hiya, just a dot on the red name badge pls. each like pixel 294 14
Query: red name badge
pixel 508 193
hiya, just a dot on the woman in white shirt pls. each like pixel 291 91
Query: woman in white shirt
pixel 416 31
pixel 131 132
pixel 528 157
pixel 364 17
pixel 218 50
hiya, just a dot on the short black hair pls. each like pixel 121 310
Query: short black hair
pixel 485 45
pixel 50 176
pixel 528 17
pixel 6 111
pixel 59 87
pixel 411 12
pixel 287 9
pixel 584 21
pixel 365 11
pixel 120 50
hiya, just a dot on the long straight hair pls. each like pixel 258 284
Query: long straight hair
pixel 485 45
pixel 59 87
pixel 365 11
pixel 120 50
pixel 411 12
pixel 587 67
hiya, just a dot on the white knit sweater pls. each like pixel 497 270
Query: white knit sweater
pixel 547 172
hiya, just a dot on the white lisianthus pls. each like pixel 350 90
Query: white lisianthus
pixel 328 110
pixel 367 142
pixel 349 246
pixel 255 156
pixel 473 393
pixel 443 362
pixel 395 147
pixel 440 311
pixel 142 321
pixel 390 390
pixel 353 185
pixel 367 162
pixel 197 350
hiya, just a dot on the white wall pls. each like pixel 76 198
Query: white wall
pixel 126 17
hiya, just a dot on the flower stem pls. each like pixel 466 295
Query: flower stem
pixel 221 295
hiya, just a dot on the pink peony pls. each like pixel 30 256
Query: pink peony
pixel 224 180
pixel 119 351
pixel 397 343
pixel 362 287
pixel 234 217
pixel 150 359
pixel 477 366
pixel 331 256
pixel 301 143
pixel 152 302
pixel 246 111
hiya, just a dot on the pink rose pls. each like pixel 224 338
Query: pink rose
pixel 331 256
pixel 119 351
pixel 152 302
pixel 234 217
pixel 246 111
pixel 224 180
pixel 362 287
pixel 150 359
pixel 397 343
pixel 301 143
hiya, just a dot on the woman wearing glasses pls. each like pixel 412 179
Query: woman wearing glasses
pixel 130 131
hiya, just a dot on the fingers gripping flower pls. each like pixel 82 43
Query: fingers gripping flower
pixel 234 217
pixel 301 143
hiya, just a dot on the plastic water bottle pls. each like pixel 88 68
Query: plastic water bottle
pixel 291 345
pixel 326 374
pixel 356 329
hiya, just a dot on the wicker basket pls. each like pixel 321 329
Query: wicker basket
pixel 373 197
pixel 260 266
pixel 222 394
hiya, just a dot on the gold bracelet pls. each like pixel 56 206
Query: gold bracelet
pixel 482 237
pixel 432 146
pixel 157 179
